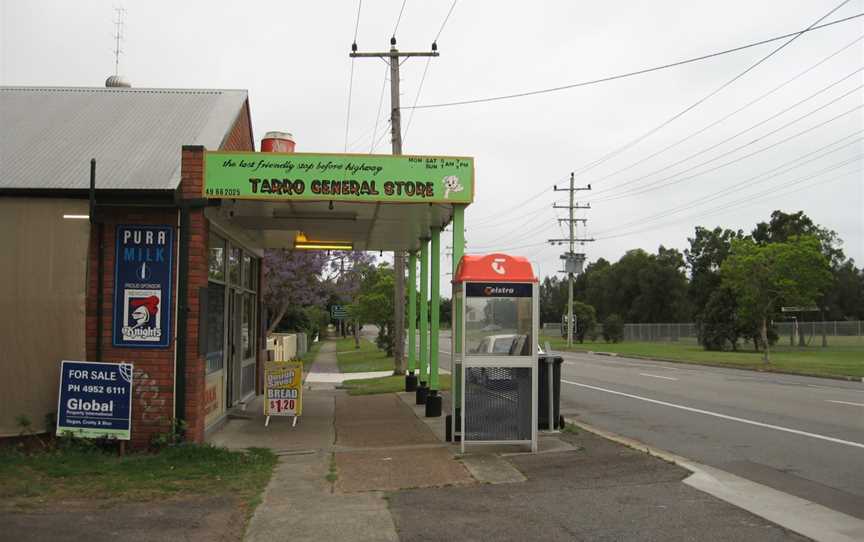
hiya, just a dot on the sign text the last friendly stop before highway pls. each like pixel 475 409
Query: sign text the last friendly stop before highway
pixel 338 177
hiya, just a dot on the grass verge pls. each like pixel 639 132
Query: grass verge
pixel 845 360
pixel 365 359
pixel 83 472
pixel 385 384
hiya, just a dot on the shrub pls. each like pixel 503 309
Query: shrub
pixel 613 329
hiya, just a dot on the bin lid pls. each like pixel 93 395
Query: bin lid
pixel 496 267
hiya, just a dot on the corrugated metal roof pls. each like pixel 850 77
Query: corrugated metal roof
pixel 48 135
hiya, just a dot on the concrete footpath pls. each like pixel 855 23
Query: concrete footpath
pixel 374 468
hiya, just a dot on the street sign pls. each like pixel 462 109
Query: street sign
pixel 338 312
pixel 799 309
pixel 283 389
pixel 142 286
pixel 373 178
pixel 95 399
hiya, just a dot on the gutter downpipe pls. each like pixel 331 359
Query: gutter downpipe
pixel 100 259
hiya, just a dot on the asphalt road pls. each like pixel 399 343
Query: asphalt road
pixel 800 435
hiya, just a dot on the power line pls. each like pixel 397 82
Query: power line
pixel 426 70
pixel 351 77
pixel 749 182
pixel 378 114
pixel 399 19
pixel 743 202
pixel 707 127
pixel 705 98
pixel 655 186
pixel 744 131
pixel 642 71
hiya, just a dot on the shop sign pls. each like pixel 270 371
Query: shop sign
pixel 283 388
pixel 95 399
pixel 338 177
pixel 499 289
pixel 142 286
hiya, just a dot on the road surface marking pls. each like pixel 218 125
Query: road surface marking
pixel 658 376
pixel 844 403
pixel 718 415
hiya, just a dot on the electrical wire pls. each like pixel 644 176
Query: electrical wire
pixel 425 71
pixel 645 70
pixel 351 78
pixel 617 187
pixel 749 182
pixel 399 19
pixel 671 178
pixel 707 127
pixel 378 114
pixel 743 202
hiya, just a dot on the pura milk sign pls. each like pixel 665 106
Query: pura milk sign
pixel 95 399
pixel 142 286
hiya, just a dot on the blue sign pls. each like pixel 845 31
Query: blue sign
pixel 142 286
pixel 95 399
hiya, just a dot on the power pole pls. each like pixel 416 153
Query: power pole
pixel 392 57
pixel 573 261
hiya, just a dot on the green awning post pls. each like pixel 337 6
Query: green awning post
pixel 435 295
pixel 456 312
pixel 412 311
pixel 424 310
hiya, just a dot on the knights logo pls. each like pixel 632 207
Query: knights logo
pixel 142 309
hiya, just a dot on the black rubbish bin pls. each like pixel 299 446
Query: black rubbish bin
pixel 543 391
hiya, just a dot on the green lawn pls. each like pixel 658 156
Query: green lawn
pixel 844 360
pixel 385 384
pixel 363 360
pixel 80 471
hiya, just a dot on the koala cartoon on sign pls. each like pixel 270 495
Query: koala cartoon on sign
pixel 451 184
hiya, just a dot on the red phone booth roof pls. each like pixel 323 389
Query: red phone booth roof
pixel 495 267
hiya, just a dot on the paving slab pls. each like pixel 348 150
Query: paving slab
pixel 378 421
pixel 389 469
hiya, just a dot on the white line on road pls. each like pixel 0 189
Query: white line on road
pixel 658 376
pixel 718 415
pixel 845 403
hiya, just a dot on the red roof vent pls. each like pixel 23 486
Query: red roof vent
pixel 495 267
pixel 277 142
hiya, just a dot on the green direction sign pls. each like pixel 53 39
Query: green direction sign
pixel 338 312
pixel 340 177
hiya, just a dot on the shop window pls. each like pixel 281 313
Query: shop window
pixel 234 255
pixel 247 271
pixel 216 258
pixel 215 327
pixel 247 327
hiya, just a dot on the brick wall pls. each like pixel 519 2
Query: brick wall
pixel 153 382
pixel 153 385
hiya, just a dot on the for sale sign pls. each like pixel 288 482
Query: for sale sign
pixel 95 399
pixel 283 387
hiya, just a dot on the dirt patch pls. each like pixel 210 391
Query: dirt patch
pixel 219 518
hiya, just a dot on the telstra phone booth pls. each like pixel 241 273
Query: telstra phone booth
pixel 495 362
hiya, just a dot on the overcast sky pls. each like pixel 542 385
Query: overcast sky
pixel 293 59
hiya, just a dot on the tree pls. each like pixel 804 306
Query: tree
pixel 291 278
pixel 763 276
pixel 347 272
pixel 586 320
pixel 613 329
pixel 784 226
pixel 718 325
pixel 708 249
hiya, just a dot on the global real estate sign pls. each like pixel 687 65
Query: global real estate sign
pixel 95 399
pixel 338 177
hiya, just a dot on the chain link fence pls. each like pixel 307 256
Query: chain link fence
pixel 836 332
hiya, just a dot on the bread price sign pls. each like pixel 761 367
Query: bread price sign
pixel 283 389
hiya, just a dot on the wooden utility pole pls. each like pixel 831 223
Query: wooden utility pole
pixel 573 261
pixel 393 57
